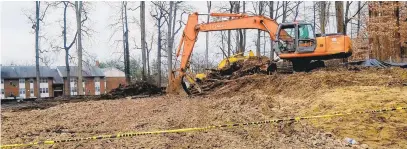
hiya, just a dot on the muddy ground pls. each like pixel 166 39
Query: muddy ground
pixel 250 98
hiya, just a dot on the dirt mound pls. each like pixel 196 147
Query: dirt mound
pixel 303 84
pixel 137 88
pixel 246 99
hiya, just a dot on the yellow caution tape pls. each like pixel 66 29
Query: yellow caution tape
pixel 131 134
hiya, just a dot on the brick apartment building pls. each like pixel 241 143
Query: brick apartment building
pixel 114 78
pixel 93 80
pixel 19 82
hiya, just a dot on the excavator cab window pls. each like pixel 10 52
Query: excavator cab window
pixel 306 40
pixel 295 37
pixel 286 38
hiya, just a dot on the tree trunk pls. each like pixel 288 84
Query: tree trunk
pixel 37 49
pixel 68 70
pixel 258 52
pixel 124 41
pixel 296 10
pixel 314 5
pixel 169 45
pixel 339 17
pixel 271 10
pixel 68 76
pixel 264 43
pixel 258 43
pixel 322 17
pixel 159 55
pixel 126 48
pixel 239 36
pixel 358 27
pixel 209 4
pixel 79 31
pixel 244 30
pixel 285 9
pixel 143 38
pixel 229 31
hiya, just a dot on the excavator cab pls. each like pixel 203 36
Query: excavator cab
pixel 295 37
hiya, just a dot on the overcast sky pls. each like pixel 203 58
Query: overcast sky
pixel 18 40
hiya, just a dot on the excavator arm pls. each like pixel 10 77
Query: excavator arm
pixel 192 28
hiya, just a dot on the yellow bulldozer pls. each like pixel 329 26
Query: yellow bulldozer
pixel 227 62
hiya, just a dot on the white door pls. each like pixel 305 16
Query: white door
pixel 44 87
pixel 83 87
pixel 31 88
pixel 105 86
pixel 21 85
pixel 73 83
pixel 97 86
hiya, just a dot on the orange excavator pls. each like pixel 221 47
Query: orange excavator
pixel 294 41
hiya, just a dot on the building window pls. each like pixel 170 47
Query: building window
pixel 2 81
pixel 2 91
pixel 97 79
pixel 43 80
pixel 22 91
pixel 73 80
pixel 73 89
pixel 31 90
pixel 97 88
pixel 21 81
pixel 11 82
pixel 43 90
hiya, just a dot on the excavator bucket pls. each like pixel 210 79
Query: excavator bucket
pixel 175 85
pixel 181 85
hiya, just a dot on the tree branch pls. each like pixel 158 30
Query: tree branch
pixel 73 41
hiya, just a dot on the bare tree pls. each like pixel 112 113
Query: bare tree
pixel 78 7
pixel 271 11
pixel 148 50
pixel 126 42
pixel 208 4
pixel 169 40
pixel 143 38
pixel 37 49
pixel 285 10
pixel 358 24
pixel 159 16
pixel 339 16
pixel 232 4
pixel 297 6
pixel 322 16
pixel 260 12
pixel 244 31
pixel 66 47
pixel 39 17
pixel 347 18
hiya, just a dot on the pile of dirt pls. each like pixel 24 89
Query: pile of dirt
pixel 303 84
pixel 239 69
pixel 246 99
pixel 135 89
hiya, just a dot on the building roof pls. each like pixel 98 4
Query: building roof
pixel 113 72
pixel 90 71
pixel 57 78
pixel 9 72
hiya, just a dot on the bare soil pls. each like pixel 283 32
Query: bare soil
pixel 245 99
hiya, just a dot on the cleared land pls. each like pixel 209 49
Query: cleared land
pixel 249 98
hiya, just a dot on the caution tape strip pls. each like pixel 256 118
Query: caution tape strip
pixel 131 134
